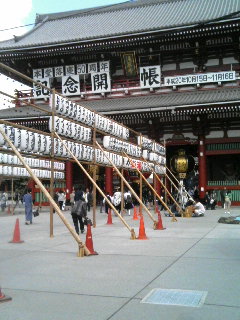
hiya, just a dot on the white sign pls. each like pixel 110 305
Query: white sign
pixel 101 82
pixel 81 68
pixel 92 67
pixel 69 70
pixel 200 78
pixel 48 73
pixel 38 91
pixel 37 74
pixel 70 85
pixel 58 71
pixel 150 77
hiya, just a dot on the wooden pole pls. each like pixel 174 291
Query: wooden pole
pixel 52 164
pixel 82 249
pixel 176 180
pixel 94 178
pixel 133 236
pixel 122 194
pixel 12 197
pixel 166 189
pixel 128 185
pixel 154 191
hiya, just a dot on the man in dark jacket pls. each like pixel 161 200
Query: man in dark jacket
pixel 76 217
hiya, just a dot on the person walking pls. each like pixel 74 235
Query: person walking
pixel 117 200
pixel 228 201
pixel 223 194
pixel 106 205
pixel 61 199
pixel 213 200
pixel 28 202
pixel 4 198
pixel 72 196
pixel 128 203
pixel 76 217
pixel 88 199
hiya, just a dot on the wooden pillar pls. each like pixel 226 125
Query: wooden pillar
pixel 109 180
pixel 202 167
pixel 69 178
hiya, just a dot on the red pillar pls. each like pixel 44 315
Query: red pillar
pixel 31 185
pixel 158 186
pixel 109 180
pixel 202 168
pixel 69 178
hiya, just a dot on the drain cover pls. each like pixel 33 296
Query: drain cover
pixel 186 298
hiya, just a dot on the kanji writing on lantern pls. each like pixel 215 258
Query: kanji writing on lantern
pixel 150 77
pixel 70 85
pixel 58 71
pixel 37 74
pixel 39 91
pixel 101 82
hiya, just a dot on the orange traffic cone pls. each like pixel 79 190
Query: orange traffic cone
pixel 159 225
pixel 142 234
pixel 135 214
pixel 4 298
pixel 89 242
pixel 16 234
pixel 109 220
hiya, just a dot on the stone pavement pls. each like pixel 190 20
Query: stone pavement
pixel 47 281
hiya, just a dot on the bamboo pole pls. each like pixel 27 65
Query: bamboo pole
pixel 122 193
pixel 52 164
pixel 166 189
pixel 94 178
pixel 133 236
pixel 128 185
pixel 177 182
pixel 154 191
pixel 82 249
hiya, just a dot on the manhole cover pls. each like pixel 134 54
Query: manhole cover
pixel 186 298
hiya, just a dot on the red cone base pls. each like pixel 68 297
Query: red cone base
pixel 16 234
pixel 109 220
pixel 89 242
pixel 142 234
pixel 4 298
pixel 159 224
pixel 135 214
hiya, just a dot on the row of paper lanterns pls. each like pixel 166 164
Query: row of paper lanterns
pixel 22 172
pixel 147 155
pixel 24 139
pixel 150 145
pixel 79 113
pixel 32 162
pixel 117 145
pixel 70 129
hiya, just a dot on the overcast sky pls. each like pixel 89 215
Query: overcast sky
pixel 16 14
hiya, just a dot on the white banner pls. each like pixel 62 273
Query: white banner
pixel 38 91
pixel 200 78
pixel 101 82
pixel 70 85
pixel 150 77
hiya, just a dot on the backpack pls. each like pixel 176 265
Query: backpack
pixel 79 208
pixel 129 199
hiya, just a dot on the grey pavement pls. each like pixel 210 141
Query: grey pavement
pixel 47 280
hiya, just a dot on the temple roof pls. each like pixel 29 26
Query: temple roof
pixel 127 18
pixel 164 101
pixel 154 102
